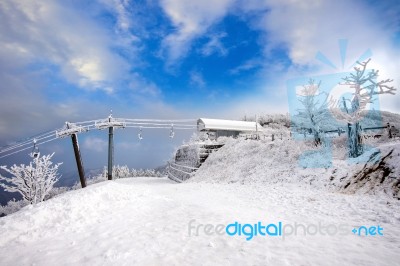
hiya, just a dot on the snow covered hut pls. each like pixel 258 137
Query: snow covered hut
pixel 227 128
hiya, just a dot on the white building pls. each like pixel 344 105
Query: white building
pixel 228 128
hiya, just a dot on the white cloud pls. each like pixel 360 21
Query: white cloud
pixel 215 45
pixel 304 28
pixel 197 80
pixel 120 8
pixel 50 33
pixel 191 19
pixel 247 65
pixel 125 19
pixel 95 144
pixel 143 87
pixel 129 146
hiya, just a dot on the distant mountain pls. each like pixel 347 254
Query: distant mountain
pixel 7 196
pixel 162 169
pixel 70 178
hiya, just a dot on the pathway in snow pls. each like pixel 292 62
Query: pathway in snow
pixel 144 221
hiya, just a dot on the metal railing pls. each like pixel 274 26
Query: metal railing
pixel 179 172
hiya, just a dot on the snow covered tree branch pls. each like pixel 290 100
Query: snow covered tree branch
pixel 365 87
pixel 33 181
pixel 315 108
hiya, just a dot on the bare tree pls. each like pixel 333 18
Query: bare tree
pixel 33 181
pixel 365 87
pixel 315 108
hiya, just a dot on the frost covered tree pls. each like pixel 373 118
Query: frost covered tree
pixel 315 108
pixel 33 181
pixel 150 172
pixel 124 171
pixel 366 87
pixel 145 173
pixel 121 171
pixel 134 172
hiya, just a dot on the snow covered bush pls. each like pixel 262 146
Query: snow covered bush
pixel 33 181
pixel 145 173
pixel 271 119
pixel 120 171
pixel 12 206
pixel 124 172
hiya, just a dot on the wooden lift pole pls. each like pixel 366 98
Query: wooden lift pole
pixel 110 151
pixel 78 159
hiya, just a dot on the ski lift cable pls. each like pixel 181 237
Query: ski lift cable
pixel 160 120
pixel 184 128
pixel 41 134
pixel 46 141
pixel 85 122
pixel 38 141
pixel 26 148
pixel 14 152
pixel 25 143
pixel 160 127
pixel 29 139
pixel 50 134
pixel 159 124
pixel 136 120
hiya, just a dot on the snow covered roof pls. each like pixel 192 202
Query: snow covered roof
pixel 231 125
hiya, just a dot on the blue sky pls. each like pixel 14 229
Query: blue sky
pixel 76 60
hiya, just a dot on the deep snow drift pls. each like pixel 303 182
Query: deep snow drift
pixel 144 221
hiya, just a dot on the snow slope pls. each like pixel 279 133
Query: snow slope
pixel 277 163
pixel 144 221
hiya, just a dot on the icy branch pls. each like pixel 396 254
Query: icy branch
pixel 33 181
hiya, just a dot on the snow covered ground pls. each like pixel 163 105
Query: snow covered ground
pixel 281 162
pixel 145 221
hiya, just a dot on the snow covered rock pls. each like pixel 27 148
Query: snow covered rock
pixel 380 173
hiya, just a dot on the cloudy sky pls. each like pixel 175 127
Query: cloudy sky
pixel 76 60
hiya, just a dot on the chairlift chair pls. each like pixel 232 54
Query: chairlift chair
pixel 140 134
pixel 35 149
pixel 172 133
